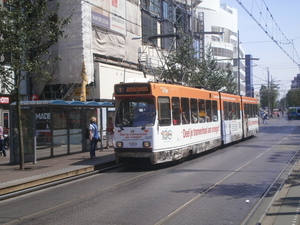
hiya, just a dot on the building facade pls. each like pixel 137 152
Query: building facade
pixel 249 75
pixel 113 41
pixel 226 47
pixel 296 82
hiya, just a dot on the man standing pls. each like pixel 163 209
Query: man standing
pixel 2 147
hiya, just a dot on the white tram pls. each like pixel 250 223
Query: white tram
pixel 166 122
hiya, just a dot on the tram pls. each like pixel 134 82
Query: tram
pixel 166 122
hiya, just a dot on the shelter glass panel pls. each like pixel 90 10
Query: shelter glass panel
pixel 60 130
pixel 75 129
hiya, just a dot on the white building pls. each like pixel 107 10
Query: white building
pixel 222 18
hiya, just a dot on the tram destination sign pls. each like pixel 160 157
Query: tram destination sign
pixel 132 88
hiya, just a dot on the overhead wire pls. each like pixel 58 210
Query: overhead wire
pixel 272 30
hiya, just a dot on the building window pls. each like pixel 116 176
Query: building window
pixel 222 52
pixel 168 12
pixel 149 27
pixel 167 28
pixel 154 6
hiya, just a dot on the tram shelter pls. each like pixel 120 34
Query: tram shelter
pixel 55 128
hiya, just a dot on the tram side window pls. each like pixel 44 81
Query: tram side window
pixel 226 110
pixel 194 110
pixel 215 111
pixel 202 113
pixel 164 114
pixel 175 111
pixel 253 110
pixel 185 110
pixel 256 110
pixel 208 111
pixel 231 115
pixel 246 111
pixel 238 111
pixel 249 111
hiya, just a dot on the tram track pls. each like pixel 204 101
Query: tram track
pixel 70 180
pixel 283 173
pixel 58 182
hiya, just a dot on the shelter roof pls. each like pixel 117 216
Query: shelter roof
pixel 65 103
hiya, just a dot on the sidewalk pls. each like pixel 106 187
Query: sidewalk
pixel 49 170
pixel 285 209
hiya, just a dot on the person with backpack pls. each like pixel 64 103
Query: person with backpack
pixel 94 136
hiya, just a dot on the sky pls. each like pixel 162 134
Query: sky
pixel 256 42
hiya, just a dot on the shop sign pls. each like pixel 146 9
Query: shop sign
pixel 4 100
pixel 35 98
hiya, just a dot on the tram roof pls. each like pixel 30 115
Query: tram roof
pixel 65 103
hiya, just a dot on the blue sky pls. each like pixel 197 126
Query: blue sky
pixel 257 43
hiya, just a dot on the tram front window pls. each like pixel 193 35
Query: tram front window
pixel 135 113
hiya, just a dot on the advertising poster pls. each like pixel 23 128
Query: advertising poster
pixel 109 14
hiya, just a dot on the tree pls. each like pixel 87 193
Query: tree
pixel 264 96
pixel 269 95
pixel 212 76
pixel 183 66
pixel 182 62
pixel 293 97
pixel 28 29
pixel 230 85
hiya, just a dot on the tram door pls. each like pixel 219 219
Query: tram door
pixel 4 120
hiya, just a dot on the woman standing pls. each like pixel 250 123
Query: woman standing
pixel 94 136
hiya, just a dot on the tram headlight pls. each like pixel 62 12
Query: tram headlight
pixel 119 144
pixel 146 144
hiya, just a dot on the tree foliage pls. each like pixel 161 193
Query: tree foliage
pixel 269 95
pixel 293 97
pixel 182 62
pixel 183 66
pixel 211 76
pixel 28 29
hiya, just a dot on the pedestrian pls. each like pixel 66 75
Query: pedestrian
pixel 264 118
pixel 2 146
pixel 110 133
pixel 289 116
pixel 94 136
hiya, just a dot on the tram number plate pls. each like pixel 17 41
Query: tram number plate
pixel 132 144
